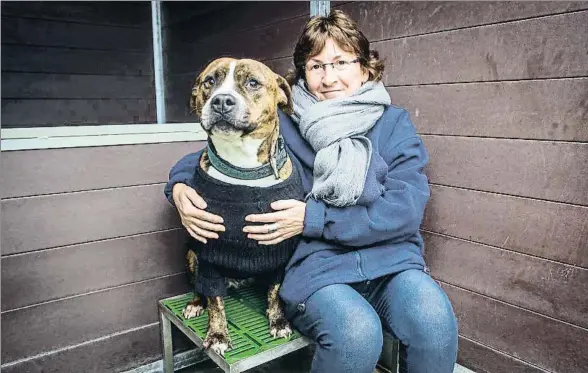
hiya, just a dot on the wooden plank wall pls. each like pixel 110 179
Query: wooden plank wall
pixel 499 93
pixel 89 244
pixel 76 63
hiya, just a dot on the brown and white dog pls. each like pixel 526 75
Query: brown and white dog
pixel 237 102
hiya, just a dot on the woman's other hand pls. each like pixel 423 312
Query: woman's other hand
pixel 199 223
pixel 286 222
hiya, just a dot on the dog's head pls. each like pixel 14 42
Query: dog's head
pixel 239 96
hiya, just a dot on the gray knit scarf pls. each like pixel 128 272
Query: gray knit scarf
pixel 336 130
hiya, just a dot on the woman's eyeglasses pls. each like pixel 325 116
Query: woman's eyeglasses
pixel 320 68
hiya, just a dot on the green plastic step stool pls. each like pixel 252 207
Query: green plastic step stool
pixel 248 329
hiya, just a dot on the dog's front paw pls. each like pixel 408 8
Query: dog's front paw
pixel 192 310
pixel 280 327
pixel 217 342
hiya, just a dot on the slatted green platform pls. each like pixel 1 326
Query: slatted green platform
pixel 248 329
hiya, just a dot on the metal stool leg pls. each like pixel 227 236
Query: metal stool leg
pixel 389 358
pixel 166 343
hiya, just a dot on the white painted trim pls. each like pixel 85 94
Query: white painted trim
pixel 319 8
pixel 85 136
pixel 158 62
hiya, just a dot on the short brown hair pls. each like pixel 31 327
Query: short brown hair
pixel 339 27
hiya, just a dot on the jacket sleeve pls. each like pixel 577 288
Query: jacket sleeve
pixel 181 172
pixel 396 214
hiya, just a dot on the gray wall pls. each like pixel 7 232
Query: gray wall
pixel 499 93
pixel 76 63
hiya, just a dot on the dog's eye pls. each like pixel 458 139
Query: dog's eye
pixel 208 82
pixel 253 84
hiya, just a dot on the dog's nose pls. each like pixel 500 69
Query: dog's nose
pixel 223 103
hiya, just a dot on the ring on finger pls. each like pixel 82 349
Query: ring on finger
pixel 272 228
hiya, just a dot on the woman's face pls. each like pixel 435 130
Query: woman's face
pixel 328 82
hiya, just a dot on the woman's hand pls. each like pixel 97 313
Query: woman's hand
pixel 286 222
pixel 199 223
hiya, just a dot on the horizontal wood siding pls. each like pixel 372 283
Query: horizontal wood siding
pixel 523 225
pixel 89 245
pixel 125 260
pixel 546 342
pixel 499 93
pixel 543 286
pixel 65 63
pixel 550 109
pixel 55 325
pixel 58 170
pixel 119 352
pixel 73 218
pixel 546 170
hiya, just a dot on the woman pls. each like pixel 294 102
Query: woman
pixel 359 266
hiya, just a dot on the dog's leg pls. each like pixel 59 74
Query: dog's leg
pixel 195 307
pixel 191 265
pixel 279 325
pixel 217 336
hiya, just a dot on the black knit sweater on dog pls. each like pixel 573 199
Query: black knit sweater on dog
pixel 233 255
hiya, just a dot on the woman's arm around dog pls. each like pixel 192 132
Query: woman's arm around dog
pixel 200 224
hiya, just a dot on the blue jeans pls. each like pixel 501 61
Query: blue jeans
pixel 346 322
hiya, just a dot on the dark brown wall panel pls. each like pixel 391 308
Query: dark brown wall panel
pixel 118 353
pixel 34 223
pixel 52 274
pixel 62 170
pixel 54 325
pixel 179 90
pixel 281 65
pixel 540 169
pixel 119 13
pixel 75 61
pixel 30 85
pixel 40 32
pixel 545 229
pixel 385 20
pixel 177 12
pixel 34 113
pixel 261 43
pixel 482 359
pixel 540 109
pixel 548 343
pixel 552 47
pixel 550 288
pixel 238 17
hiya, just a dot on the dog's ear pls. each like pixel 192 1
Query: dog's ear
pixel 285 95
pixel 193 96
pixel 195 105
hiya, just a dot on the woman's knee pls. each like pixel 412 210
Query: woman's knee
pixel 360 329
pixel 422 313
pixel 341 319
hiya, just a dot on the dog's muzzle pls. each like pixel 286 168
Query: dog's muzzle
pixel 223 104
pixel 226 113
